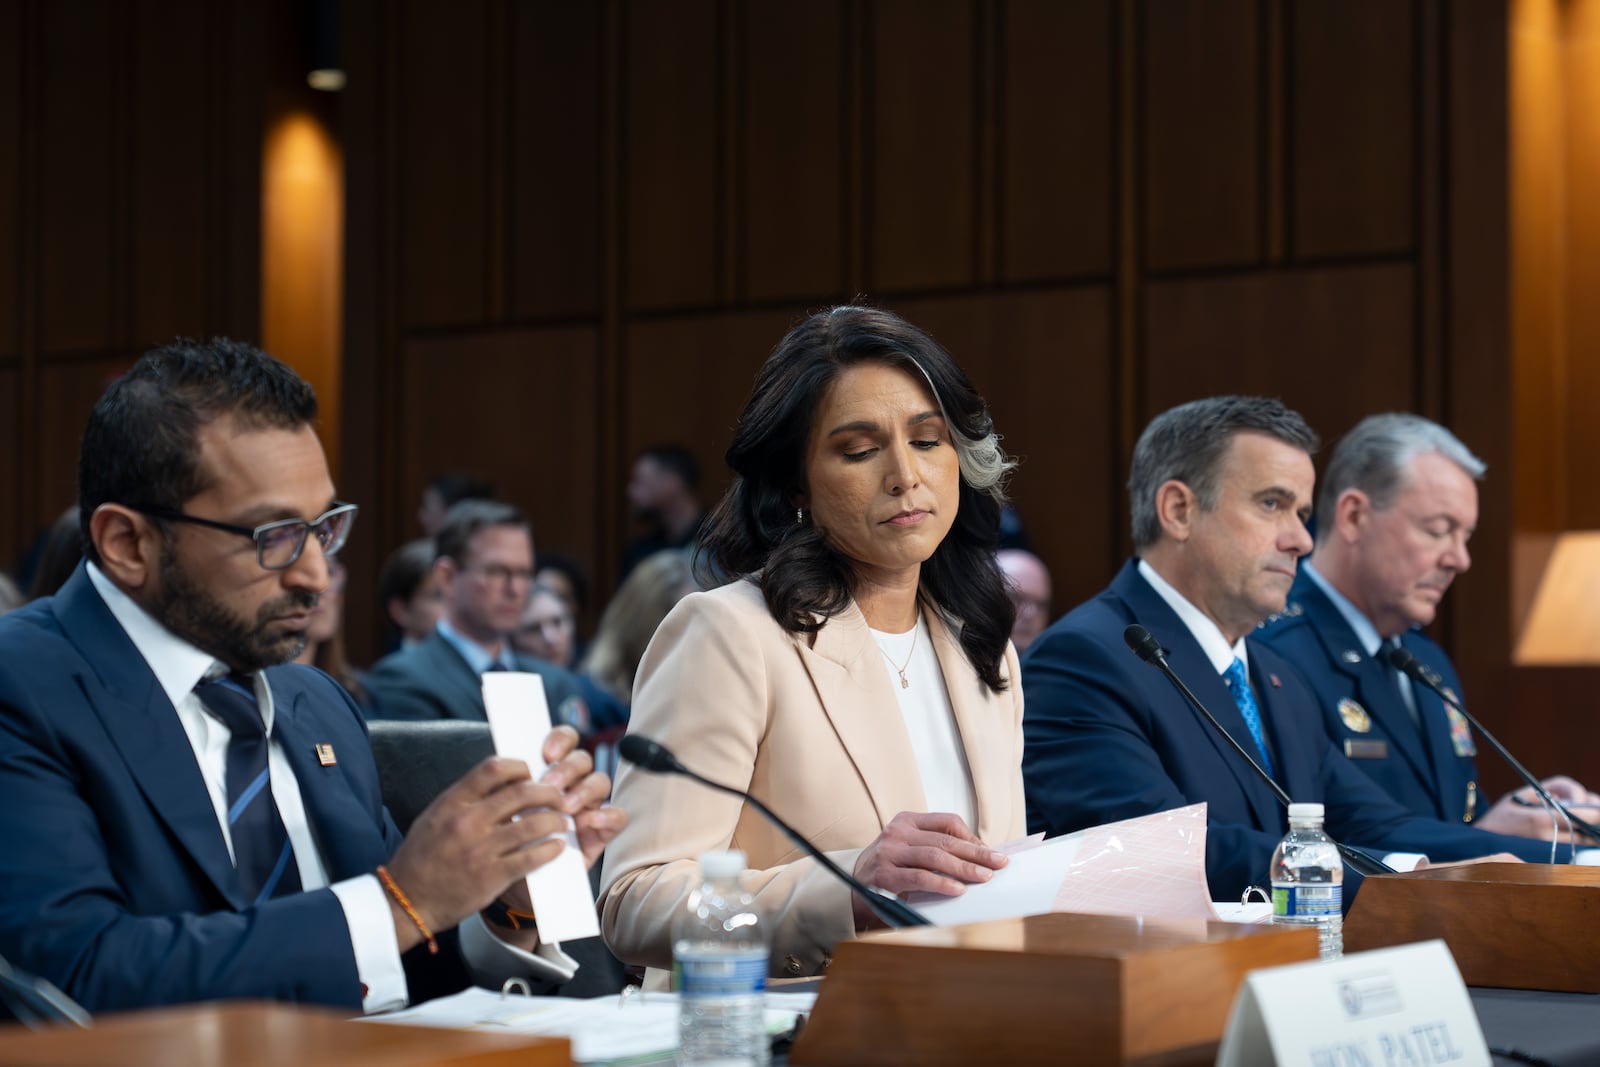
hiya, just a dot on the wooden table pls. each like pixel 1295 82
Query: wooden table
pixel 239 1034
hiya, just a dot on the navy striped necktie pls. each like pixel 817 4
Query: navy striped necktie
pixel 262 854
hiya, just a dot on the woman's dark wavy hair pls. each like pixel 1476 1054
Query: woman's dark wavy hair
pixel 753 530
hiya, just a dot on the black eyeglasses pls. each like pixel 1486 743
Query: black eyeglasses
pixel 278 544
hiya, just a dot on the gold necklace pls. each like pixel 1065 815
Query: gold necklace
pixel 901 669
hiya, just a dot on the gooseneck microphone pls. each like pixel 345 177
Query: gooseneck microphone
pixel 1403 661
pixel 1147 648
pixel 650 755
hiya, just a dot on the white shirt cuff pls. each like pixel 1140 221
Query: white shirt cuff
pixel 371 923
pixel 491 961
pixel 1404 861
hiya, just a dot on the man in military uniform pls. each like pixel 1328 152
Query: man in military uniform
pixel 1396 509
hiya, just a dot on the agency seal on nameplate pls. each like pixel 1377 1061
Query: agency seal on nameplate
pixel 1355 716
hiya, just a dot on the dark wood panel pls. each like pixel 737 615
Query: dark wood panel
pixel 17 524
pixel 554 185
pixel 699 366
pixel 921 81
pixel 1333 344
pixel 78 173
pixel 792 149
pixel 172 157
pixel 516 406
pixel 1582 265
pixel 670 155
pixel 11 29
pixel 1056 205
pixel 67 393
pixel 1043 362
pixel 441 121
pixel 1353 126
pixel 1201 72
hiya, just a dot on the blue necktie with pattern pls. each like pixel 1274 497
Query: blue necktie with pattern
pixel 261 849
pixel 1238 680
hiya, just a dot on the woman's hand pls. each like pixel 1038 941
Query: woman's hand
pixel 923 852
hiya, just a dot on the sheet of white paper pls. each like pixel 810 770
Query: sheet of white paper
pixel 1025 886
pixel 1153 865
pixel 1257 911
pixel 519 721
pixel 602 1029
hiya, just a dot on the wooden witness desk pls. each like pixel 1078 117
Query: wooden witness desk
pixel 239 1034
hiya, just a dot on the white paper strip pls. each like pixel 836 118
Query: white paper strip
pixel 519 721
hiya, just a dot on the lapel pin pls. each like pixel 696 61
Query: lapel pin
pixel 1350 655
pixel 1277 683
pixel 325 755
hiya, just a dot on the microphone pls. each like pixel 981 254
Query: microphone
pixel 1403 661
pixel 649 755
pixel 34 1001
pixel 1147 648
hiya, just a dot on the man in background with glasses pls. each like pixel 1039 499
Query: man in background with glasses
pixel 483 563
pixel 185 815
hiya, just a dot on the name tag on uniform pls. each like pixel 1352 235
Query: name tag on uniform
pixel 1366 749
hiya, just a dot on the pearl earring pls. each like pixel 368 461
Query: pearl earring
pixel 799 516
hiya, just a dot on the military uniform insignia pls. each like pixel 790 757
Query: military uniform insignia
pixel 1472 801
pixel 1460 732
pixel 1355 716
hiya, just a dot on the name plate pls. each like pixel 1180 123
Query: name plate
pixel 1391 1007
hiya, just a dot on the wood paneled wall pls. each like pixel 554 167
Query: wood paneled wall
pixel 129 149
pixel 576 230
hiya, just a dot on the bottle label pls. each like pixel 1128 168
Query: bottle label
pixel 720 974
pixel 1306 901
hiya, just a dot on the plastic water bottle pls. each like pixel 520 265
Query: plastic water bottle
pixel 1308 880
pixel 719 968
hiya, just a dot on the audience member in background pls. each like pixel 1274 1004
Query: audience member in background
pixel 860 664
pixel 484 564
pixel 410 593
pixel 59 556
pixel 549 630
pixel 1394 515
pixel 11 597
pixel 566 576
pixel 189 817
pixel 630 620
pixel 325 638
pixel 444 492
pixel 1028 582
pixel 665 494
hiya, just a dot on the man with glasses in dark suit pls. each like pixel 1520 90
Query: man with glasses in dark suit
pixel 483 562
pixel 187 815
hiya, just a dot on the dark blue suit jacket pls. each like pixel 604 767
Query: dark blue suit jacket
pixel 115 882
pixel 431 681
pixel 1422 770
pixel 1108 738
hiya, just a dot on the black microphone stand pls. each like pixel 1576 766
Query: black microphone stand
pixel 1402 660
pixel 1147 648
pixel 651 756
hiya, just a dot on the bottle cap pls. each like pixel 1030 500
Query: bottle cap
pixel 722 864
pixel 1305 811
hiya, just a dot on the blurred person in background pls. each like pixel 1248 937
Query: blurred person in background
pixel 325 638
pixel 1028 582
pixel 631 619
pixel 410 593
pixel 549 629
pixel 59 555
pixel 664 492
pixel 445 491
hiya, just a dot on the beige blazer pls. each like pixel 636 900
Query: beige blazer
pixel 808 723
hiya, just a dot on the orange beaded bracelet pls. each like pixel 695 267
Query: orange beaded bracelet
pixel 404 901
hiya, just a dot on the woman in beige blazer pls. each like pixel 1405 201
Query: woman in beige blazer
pixel 856 665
